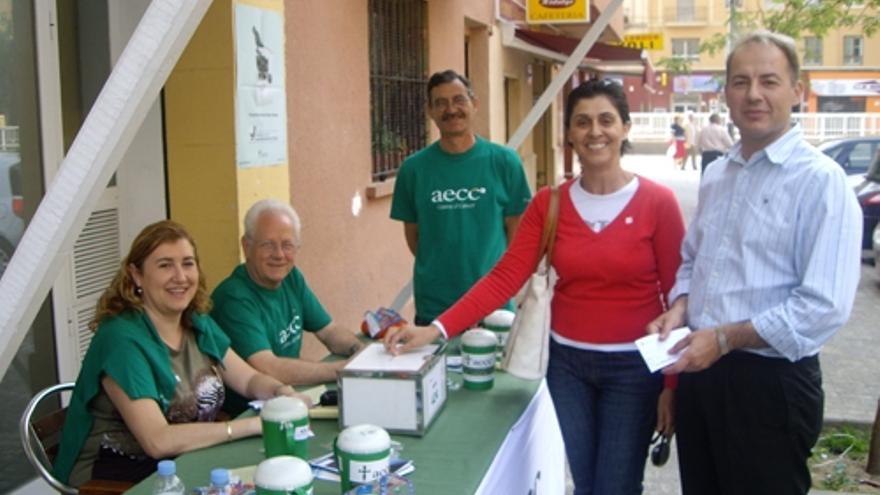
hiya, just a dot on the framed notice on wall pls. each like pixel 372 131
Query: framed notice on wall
pixel 260 98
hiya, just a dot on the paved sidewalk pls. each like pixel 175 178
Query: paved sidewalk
pixel 849 362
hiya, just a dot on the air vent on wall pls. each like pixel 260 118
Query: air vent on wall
pixel 96 254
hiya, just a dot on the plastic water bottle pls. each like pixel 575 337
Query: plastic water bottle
pixel 167 482
pixel 219 482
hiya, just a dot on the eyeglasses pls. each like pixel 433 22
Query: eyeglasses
pixel 458 101
pixel 270 247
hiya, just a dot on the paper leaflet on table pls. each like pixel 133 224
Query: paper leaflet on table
pixel 656 353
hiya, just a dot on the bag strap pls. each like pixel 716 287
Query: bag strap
pixel 548 237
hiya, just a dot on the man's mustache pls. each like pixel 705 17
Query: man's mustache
pixel 447 116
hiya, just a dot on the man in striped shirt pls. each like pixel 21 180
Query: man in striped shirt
pixel 770 267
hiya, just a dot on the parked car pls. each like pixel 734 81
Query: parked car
pixel 868 194
pixel 11 206
pixel 853 154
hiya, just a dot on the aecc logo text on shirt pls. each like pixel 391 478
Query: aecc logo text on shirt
pixel 457 198
pixel 291 334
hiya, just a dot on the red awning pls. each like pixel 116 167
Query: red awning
pixel 563 44
pixel 605 56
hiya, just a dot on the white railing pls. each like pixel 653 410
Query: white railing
pixel 825 126
pixel 9 138
pixel 817 127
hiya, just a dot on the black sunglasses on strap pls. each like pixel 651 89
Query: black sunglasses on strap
pixel 660 451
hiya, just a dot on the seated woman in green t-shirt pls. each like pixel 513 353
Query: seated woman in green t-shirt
pixel 152 380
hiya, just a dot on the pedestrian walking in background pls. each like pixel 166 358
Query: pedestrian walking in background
pixel 679 141
pixel 691 130
pixel 714 141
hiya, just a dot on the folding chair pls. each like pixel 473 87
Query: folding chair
pixel 40 439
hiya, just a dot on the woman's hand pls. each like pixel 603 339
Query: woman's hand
pixel 289 391
pixel 400 340
pixel 666 412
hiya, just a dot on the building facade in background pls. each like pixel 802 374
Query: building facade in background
pixel 841 70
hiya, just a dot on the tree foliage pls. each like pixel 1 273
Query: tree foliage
pixel 796 18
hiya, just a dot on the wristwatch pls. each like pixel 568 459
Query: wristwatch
pixel 722 340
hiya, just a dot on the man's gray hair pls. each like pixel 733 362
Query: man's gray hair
pixel 768 38
pixel 270 205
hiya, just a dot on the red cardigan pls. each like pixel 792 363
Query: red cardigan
pixel 611 283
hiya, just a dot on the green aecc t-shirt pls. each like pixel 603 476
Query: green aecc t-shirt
pixel 459 202
pixel 257 319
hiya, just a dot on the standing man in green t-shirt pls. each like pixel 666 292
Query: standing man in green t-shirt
pixel 265 304
pixel 460 200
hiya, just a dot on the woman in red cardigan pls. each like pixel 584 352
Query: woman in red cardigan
pixel 616 254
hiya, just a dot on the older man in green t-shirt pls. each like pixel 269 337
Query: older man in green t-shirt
pixel 460 200
pixel 265 304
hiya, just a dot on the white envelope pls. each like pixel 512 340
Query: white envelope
pixel 656 353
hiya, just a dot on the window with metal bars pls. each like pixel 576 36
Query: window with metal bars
pixel 397 82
